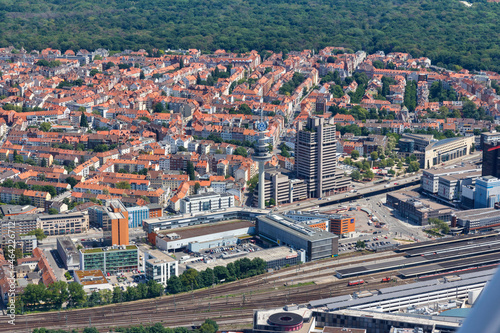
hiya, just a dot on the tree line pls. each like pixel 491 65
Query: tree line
pixel 191 279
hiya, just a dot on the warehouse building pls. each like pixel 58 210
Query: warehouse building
pixel 200 237
pixel 281 230
pixel 158 224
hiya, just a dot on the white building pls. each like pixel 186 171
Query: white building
pixel 159 267
pixel 206 202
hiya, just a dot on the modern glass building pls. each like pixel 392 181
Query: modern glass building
pixel 136 215
pixel 121 258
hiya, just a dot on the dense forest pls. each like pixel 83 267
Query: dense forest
pixel 446 31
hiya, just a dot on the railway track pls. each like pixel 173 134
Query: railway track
pixel 236 301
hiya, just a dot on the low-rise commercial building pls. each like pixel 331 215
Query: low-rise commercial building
pixel 201 237
pixel 447 150
pixel 92 280
pixel 121 258
pixel 487 192
pixel 206 202
pixel 281 230
pixel 341 224
pixel 430 177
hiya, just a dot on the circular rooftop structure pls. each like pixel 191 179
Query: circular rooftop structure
pixel 288 321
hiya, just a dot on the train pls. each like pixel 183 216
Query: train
pixel 355 283
pixel 386 279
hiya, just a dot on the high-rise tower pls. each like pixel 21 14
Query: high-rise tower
pixel 316 158
pixel 261 155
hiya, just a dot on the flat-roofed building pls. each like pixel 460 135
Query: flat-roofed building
pixel 27 243
pixel 447 150
pixel 111 259
pixel 430 177
pixel 159 266
pixel 411 206
pixel 206 202
pixel 450 187
pixel 281 189
pixel 281 230
pixel 64 223
pixel 17 224
pixel 68 253
pixel 341 224
pixel 475 220
pixel 92 280
pixel 201 237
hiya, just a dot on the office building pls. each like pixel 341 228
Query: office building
pixel 316 160
pixel 491 159
pixel 159 266
pixel 113 218
pixel 341 224
pixel 490 138
pixel 281 230
pixel 136 215
pixel 446 150
pixel 415 142
pixel 64 223
pixel 68 253
pixel 430 177
pixel 487 192
pixel 281 189
pixel 450 187
pixel 206 202
pixel 409 205
pixel 476 220
pixel 111 259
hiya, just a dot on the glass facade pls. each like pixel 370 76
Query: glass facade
pixel 110 261
pixel 136 215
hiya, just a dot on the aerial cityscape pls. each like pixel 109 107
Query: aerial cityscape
pixel 319 190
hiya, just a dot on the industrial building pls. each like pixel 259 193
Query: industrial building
pixel 410 206
pixel 68 253
pixel 158 224
pixel 159 266
pixel 206 202
pixel 281 230
pixel 316 158
pixel 121 258
pixel 196 238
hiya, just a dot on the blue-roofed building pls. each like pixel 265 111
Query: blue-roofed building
pixel 136 215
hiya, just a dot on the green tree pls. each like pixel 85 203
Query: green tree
pixel 123 185
pixel 355 175
pixel 45 126
pixel 360 244
pixel 240 151
pixel 190 170
pixel 355 154
pixel 40 235
pixel 72 181
pixel 43 163
pixel 52 211
pixel 197 187
pixel 83 120
pixel 77 296
pixel 369 174
pixel 374 155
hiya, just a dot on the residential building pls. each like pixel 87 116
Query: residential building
pixel 27 243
